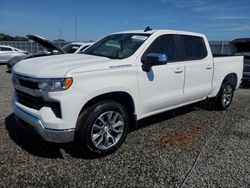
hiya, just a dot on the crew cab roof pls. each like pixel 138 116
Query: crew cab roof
pixel 161 31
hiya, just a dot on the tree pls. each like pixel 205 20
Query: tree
pixel 4 37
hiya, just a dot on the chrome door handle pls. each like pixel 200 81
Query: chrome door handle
pixel 209 67
pixel 178 71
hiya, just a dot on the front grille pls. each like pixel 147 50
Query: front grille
pixel 28 84
pixel 38 102
pixel 29 100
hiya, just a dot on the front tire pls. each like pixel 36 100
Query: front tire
pixel 102 128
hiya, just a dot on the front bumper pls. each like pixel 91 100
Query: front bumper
pixel 50 135
pixel 37 108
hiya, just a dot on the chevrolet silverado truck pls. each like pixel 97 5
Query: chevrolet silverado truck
pixel 95 97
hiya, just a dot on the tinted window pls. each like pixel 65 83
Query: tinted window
pixel 194 48
pixel 4 49
pixel 165 44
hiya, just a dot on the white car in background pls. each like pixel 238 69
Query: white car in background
pixel 48 48
pixel 8 52
pixel 76 47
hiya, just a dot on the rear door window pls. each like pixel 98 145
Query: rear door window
pixel 194 48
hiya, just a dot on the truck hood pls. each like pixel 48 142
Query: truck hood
pixel 45 43
pixel 57 66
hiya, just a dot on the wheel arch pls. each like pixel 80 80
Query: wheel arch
pixel 122 97
pixel 233 78
pixel 218 81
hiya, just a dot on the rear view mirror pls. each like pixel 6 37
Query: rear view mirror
pixel 154 59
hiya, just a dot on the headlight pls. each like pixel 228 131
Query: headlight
pixel 55 84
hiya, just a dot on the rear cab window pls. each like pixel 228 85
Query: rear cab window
pixel 194 48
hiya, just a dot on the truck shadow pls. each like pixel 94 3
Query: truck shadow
pixel 29 141
pixel 164 116
pixel 33 144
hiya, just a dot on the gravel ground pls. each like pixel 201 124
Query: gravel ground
pixel 188 147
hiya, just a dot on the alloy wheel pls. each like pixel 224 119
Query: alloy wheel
pixel 107 130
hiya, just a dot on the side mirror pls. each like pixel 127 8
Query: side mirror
pixel 154 59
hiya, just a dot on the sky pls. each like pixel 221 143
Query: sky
pixel 53 19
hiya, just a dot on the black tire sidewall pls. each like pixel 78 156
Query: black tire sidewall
pixel 219 101
pixel 86 122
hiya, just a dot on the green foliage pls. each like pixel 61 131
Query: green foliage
pixel 4 37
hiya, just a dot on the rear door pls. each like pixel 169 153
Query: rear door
pixel 198 68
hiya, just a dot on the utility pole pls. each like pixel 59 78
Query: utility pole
pixel 60 34
pixel 60 37
pixel 75 29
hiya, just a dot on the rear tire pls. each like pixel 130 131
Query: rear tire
pixel 225 96
pixel 102 128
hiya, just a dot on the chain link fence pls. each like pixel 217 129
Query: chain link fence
pixel 32 47
pixel 218 47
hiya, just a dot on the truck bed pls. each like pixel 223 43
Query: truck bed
pixel 224 65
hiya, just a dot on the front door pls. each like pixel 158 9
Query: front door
pixel 162 87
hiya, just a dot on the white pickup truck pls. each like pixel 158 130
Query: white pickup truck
pixel 95 97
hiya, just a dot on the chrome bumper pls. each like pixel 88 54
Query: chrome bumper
pixel 50 135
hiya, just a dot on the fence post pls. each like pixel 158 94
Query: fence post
pixel 222 47
pixel 30 47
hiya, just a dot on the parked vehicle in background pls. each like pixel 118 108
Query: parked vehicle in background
pixel 76 47
pixel 95 97
pixel 47 45
pixel 241 47
pixel 48 49
pixel 8 52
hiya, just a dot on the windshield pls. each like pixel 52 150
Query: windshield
pixel 71 48
pixel 117 46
